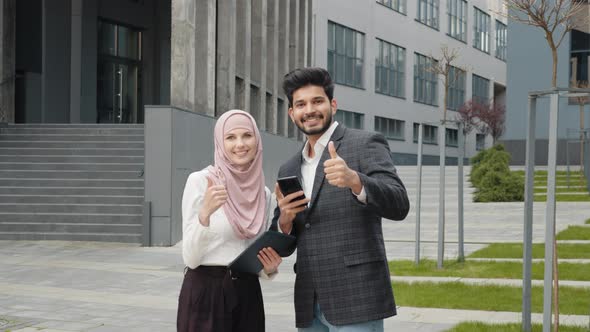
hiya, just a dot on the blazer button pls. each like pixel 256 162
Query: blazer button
pixel 307 226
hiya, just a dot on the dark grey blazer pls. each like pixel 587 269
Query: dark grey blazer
pixel 340 251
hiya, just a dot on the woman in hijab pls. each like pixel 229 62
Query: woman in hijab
pixel 225 207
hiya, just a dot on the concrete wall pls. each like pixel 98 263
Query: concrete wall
pixel 7 59
pixel 234 53
pixel 177 143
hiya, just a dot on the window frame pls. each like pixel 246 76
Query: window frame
pixel 481 30
pixel 425 81
pixel 398 127
pixel 346 65
pixel 457 19
pixel 395 70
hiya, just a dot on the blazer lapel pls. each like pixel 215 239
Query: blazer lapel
pixel 319 173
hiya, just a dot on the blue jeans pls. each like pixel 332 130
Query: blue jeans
pixel 321 324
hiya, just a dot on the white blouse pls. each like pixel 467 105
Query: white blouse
pixel 217 244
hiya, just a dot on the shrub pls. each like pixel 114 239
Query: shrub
pixel 491 177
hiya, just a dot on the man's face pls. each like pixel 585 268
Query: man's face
pixel 312 111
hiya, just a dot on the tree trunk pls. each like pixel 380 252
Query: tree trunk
pixel 582 137
pixel 554 55
pixel 555 286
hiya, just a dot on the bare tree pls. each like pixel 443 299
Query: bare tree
pixel 556 18
pixel 444 69
pixel 493 120
pixel 447 70
pixel 468 115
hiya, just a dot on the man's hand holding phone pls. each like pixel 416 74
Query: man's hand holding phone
pixel 291 203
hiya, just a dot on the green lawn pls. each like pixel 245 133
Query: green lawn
pixel 574 233
pixel 456 295
pixel 483 327
pixel 564 198
pixel 477 269
pixel 514 250
pixel 558 173
pixel 562 190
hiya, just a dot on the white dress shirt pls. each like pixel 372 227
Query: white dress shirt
pixel 310 165
pixel 216 244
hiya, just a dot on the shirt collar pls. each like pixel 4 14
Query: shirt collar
pixel 321 143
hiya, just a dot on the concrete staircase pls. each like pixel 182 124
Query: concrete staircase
pixel 79 182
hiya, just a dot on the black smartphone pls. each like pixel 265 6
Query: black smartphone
pixel 289 185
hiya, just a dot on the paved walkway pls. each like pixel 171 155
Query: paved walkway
pixel 99 287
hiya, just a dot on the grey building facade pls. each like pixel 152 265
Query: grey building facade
pixel 82 61
pixel 529 69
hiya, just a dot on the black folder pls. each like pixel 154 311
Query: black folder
pixel 248 262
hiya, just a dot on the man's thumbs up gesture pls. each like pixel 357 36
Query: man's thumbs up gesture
pixel 338 174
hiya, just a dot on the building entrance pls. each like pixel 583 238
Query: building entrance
pixel 119 74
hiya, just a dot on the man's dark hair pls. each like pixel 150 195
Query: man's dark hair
pixel 301 77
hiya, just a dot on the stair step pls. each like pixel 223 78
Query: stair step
pixel 72 159
pixel 90 218
pixel 71 131
pixel 21 227
pixel 57 190
pixel 74 138
pixel 102 175
pixel 72 182
pixel 101 237
pixel 75 145
pixel 71 152
pixel 40 182
pixel 71 199
pixel 71 208
pixel 121 167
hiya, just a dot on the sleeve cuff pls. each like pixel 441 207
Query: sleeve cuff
pixel 362 197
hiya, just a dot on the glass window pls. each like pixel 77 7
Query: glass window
pixel 481 30
pixel 429 134
pixel 350 119
pixel 456 96
pixel 451 137
pixel 119 41
pixel 389 69
pixel 480 89
pixel 425 81
pixel 390 128
pixel 397 5
pixel 345 55
pixel 428 12
pixel 501 42
pixel 579 53
pixel 480 142
pixel 457 13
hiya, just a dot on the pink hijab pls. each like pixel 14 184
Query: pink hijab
pixel 246 204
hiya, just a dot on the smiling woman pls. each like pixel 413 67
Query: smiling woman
pixel 225 207
pixel 240 146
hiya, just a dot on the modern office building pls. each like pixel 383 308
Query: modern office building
pixel 530 69
pixel 81 61
pixel 379 51
pixel 79 78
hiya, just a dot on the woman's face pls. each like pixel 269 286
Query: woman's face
pixel 240 146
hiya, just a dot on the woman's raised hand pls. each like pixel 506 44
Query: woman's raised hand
pixel 215 197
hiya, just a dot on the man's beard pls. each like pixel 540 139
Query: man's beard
pixel 320 130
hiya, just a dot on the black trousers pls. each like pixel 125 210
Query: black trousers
pixel 213 299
